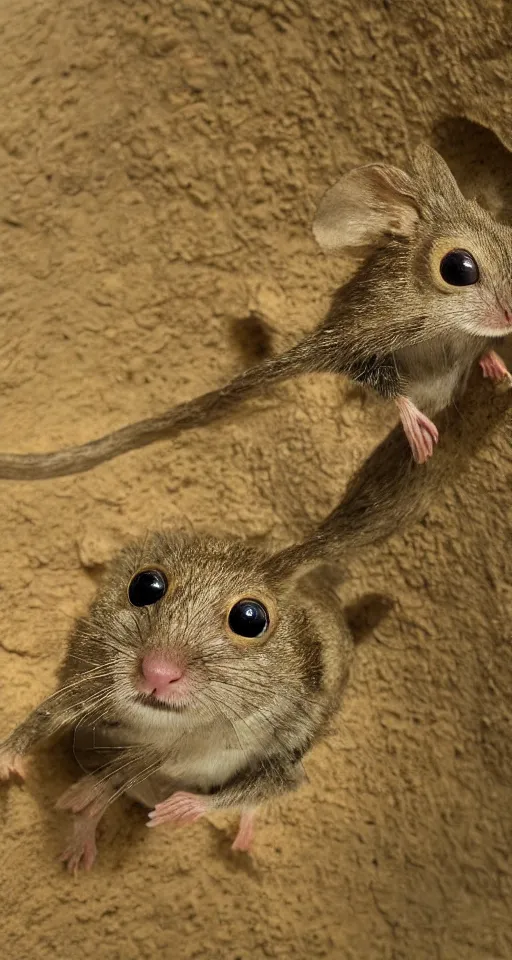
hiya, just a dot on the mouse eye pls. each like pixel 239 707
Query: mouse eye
pixel 459 268
pixel 147 587
pixel 248 618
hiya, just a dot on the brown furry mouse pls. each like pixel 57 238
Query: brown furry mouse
pixel 199 679
pixel 206 668
pixel 433 296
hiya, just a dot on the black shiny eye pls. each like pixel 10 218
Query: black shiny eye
pixel 147 587
pixel 459 268
pixel 248 618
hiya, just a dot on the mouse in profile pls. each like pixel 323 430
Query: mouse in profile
pixel 433 296
pixel 207 668
pixel 443 269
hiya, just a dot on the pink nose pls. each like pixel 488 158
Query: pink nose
pixel 158 674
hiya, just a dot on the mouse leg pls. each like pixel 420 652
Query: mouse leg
pixel 183 808
pixel 245 835
pixel 88 800
pixel 48 718
pixel 421 433
pixel 494 368
pixel 90 792
pixel 248 792
pixel 89 797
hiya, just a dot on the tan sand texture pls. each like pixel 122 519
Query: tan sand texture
pixel 159 166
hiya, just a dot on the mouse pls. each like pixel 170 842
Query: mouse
pixel 432 296
pixel 207 668
pixel 443 274
pixel 198 681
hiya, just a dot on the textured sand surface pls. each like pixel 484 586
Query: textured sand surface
pixel 159 165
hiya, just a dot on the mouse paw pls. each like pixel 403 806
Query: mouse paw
pixel 179 809
pixel 494 368
pixel 245 835
pixel 421 433
pixel 11 765
pixel 81 849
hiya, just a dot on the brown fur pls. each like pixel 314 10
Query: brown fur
pixel 394 327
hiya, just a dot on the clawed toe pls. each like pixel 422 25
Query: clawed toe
pixel 11 766
pixel 79 855
pixel 421 433
pixel 81 849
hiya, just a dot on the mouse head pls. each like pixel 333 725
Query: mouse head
pixel 193 629
pixel 453 261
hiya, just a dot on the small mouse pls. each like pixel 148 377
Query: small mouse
pixel 444 281
pixel 433 295
pixel 202 675
pixel 207 668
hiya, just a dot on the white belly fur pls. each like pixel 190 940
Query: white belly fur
pixel 197 773
pixel 433 371
pixel 434 394
pixel 200 760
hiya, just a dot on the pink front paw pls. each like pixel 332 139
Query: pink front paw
pixel 11 765
pixel 179 809
pixel 494 368
pixel 421 433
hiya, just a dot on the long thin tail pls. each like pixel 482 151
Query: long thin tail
pixel 390 491
pixel 185 416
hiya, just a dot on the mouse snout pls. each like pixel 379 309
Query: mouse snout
pixel 159 673
pixel 505 303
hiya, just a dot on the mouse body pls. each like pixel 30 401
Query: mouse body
pixel 200 678
pixel 432 296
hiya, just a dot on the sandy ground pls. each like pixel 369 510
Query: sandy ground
pixel 159 164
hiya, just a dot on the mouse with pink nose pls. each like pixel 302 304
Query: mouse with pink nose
pixel 203 673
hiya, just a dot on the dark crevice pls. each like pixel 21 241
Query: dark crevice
pixel 252 336
pixel 480 162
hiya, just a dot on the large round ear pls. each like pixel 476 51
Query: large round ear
pixel 434 174
pixel 366 205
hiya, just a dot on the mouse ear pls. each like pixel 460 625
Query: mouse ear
pixel 432 170
pixel 364 206
pixel 289 566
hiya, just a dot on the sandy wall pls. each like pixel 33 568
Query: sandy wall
pixel 159 165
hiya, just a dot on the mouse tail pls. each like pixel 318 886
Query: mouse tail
pixel 305 357
pixel 390 490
